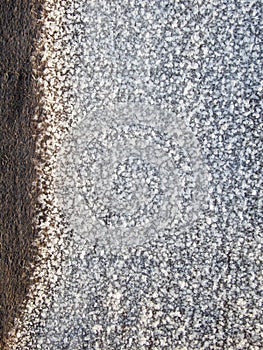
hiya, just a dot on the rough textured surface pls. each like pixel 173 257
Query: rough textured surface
pixel 18 197
pixel 127 174
pixel 198 286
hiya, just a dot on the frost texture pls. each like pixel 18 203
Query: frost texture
pixel 127 173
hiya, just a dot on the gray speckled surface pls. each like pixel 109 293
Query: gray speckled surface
pixel 128 173
pixel 196 285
